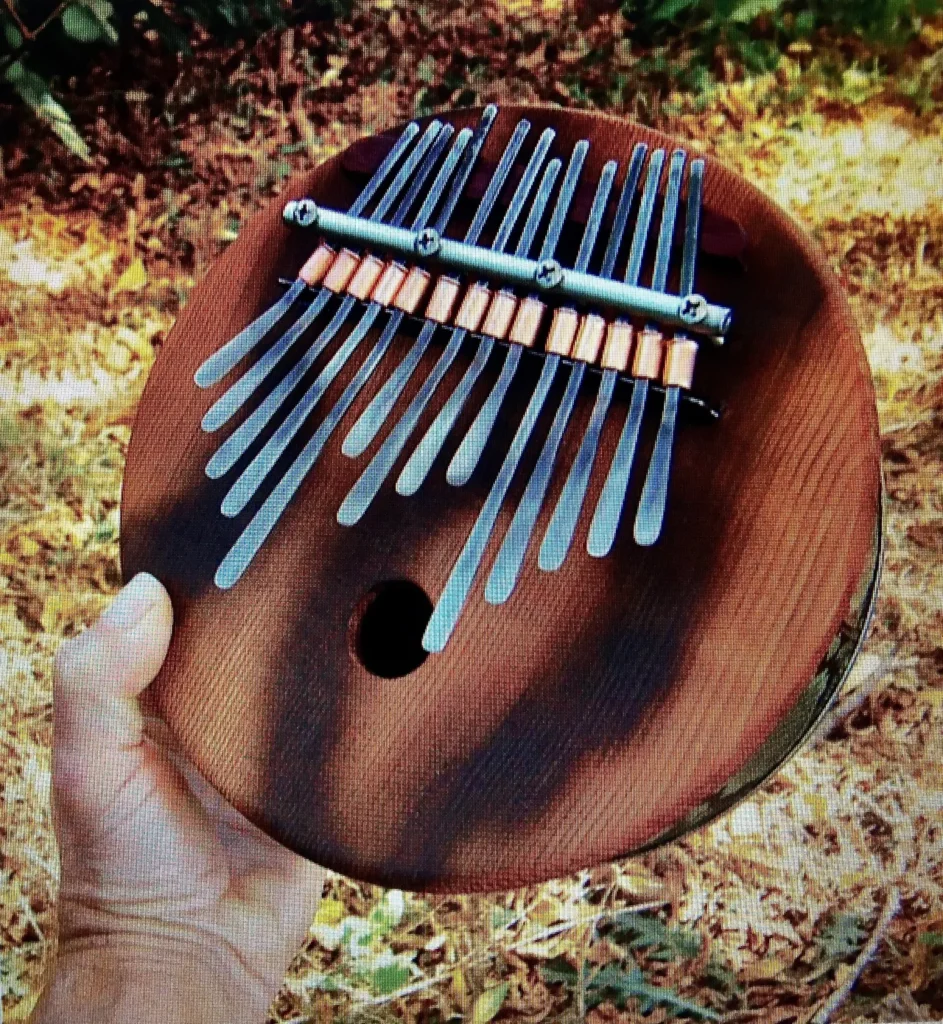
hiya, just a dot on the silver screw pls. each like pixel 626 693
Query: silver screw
pixel 548 274
pixel 694 309
pixel 428 242
pixel 303 213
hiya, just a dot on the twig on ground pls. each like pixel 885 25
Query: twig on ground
pixel 838 997
pixel 557 929
pixel 303 126
pixel 849 700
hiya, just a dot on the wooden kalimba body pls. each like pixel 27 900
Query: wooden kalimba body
pixel 443 618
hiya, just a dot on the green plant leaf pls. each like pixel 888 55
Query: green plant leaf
pixel 501 917
pixel 387 914
pixel 11 978
pixel 670 9
pixel 104 11
pixel 390 977
pixel 88 21
pixel 489 1003
pixel 79 23
pixel 843 936
pixel 759 55
pixel 11 432
pixel 559 969
pixel 12 35
pixel 34 92
pixel 746 11
pixel 805 23
pixel 840 939
pixel 356 936
pixel 638 931
pixel 617 984
pixel 720 976
pixel 426 69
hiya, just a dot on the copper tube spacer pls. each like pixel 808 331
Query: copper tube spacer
pixel 366 276
pixel 413 288
pixel 317 265
pixel 388 285
pixel 473 307
pixel 500 314
pixel 444 297
pixel 563 328
pixel 679 363
pixel 527 322
pixel 589 340
pixel 618 348
pixel 342 270
pixel 651 346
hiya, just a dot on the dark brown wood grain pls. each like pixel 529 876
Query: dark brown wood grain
pixel 599 705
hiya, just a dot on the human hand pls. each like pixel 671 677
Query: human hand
pixel 172 906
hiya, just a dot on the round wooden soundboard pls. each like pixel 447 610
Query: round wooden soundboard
pixel 602 708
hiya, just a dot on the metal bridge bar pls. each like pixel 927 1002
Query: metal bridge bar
pixel 692 312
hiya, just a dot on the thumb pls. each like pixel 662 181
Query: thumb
pixel 122 652
pixel 96 720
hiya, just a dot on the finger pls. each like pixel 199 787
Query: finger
pixel 97 723
pixel 122 652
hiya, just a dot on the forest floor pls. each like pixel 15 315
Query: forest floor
pixel 833 867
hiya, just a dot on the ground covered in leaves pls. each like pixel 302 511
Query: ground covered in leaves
pixel 834 868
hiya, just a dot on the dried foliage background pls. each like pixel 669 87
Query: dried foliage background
pixel 832 872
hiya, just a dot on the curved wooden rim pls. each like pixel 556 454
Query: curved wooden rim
pixel 792 735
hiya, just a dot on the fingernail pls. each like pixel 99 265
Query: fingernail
pixel 133 602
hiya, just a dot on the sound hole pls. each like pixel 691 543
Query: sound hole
pixel 388 627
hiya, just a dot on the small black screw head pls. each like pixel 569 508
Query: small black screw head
pixel 693 309
pixel 428 242
pixel 548 274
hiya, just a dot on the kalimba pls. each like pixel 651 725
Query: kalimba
pixel 517 486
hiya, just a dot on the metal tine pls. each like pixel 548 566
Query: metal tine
pixel 651 512
pixel 559 535
pixel 241 493
pixel 363 492
pixel 449 607
pixel 239 442
pixel 420 462
pixel 374 416
pixel 450 603
pixel 335 365
pixel 410 177
pixel 263 522
pixel 222 361
pixel 469 451
pixel 507 566
pixel 401 375
pixel 605 524
pixel 251 478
